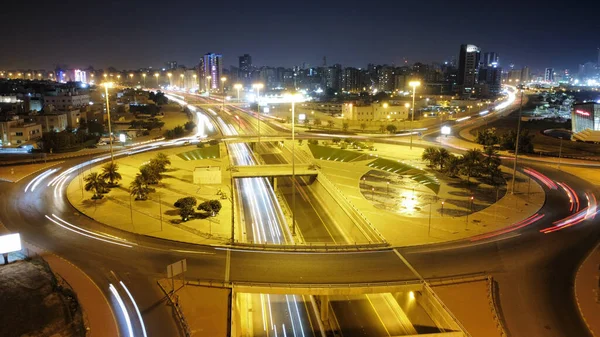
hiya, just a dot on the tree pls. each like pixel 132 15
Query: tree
pixel 211 206
pixel 150 174
pixel 508 141
pixel 391 128
pixel 345 126
pixel 471 163
pixel 189 126
pixel 442 157
pixel 110 172
pixel 186 207
pixel 330 124
pixel 95 128
pixel 178 131
pixel 317 122
pixel 430 154
pixel 491 163
pixel 382 128
pixel 94 183
pixel 363 126
pixel 139 188
pixel 452 165
pixel 487 137
pixel 160 162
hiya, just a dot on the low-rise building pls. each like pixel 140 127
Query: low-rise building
pixel 67 101
pixel 52 121
pixel 585 122
pixel 18 131
pixel 379 111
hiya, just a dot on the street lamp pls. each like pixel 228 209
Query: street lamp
pixel 414 85
pixel 208 78
pixel 257 87
pixel 131 78
pixel 182 76
pixel 237 87
pixel 144 77
pixel 106 86
pixel 223 79
pixel 517 144
pixel 156 75
pixel 195 80
pixel 293 98
pixel 169 75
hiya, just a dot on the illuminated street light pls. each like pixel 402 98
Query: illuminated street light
pixel 237 87
pixel 144 77
pixel 182 76
pixel 169 76
pixel 156 75
pixel 196 80
pixel 293 98
pixel 208 78
pixel 106 86
pixel 223 79
pixel 414 85
pixel 257 87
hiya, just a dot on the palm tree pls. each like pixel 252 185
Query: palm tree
pixel 430 154
pixel 150 174
pixel 110 173
pixel 94 183
pixel 452 165
pixel 471 163
pixel 363 126
pixel 160 161
pixel 345 126
pixel 491 162
pixel 317 122
pixel 382 128
pixel 442 157
pixel 330 124
pixel 139 188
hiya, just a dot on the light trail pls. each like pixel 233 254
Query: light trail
pixel 137 310
pixel 587 213
pixel 86 235
pixel 113 290
pixel 547 181
pixel 35 181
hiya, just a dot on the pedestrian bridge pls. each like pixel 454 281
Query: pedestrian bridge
pixel 274 170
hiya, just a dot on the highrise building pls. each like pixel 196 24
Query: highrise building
pixel 468 62
pixel 245 68
pixel 351 80
pixel 333 77
pixel 211 65
pixel 171 65
pixel 549 75
pixel 525 75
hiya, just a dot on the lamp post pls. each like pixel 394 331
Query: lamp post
pixel 293 97
pixel 156 75
pixel 223 79
pixel 560 152
pixel 208 78
pixel 182 82
pixel 169 76
pixel 195 80
pixel 131 78
pixel 144 77
pixel 237 87
pixel 257 87
pixel 414 85
pixel 517 145
pixel 106 86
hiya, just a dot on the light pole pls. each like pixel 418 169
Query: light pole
pixel 414 85
pixel 144 77
pixel 131 78
pixel 517 145
pixel 195 80
pixel 560 152
pixel 237 87
pixel 293 97
pixel 223 79
pixel 169 76
pixel 106 86
pixel 257 87
pixel 156 75
pixel 182 76
pixel 208 78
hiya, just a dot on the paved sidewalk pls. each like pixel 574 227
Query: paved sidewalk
pixel 587 291
pixel 100 317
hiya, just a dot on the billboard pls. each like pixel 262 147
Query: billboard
pixel 10 243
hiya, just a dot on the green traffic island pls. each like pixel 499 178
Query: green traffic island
pixel 36 302
pixel 340 150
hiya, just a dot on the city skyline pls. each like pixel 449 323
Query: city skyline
pixel 348 34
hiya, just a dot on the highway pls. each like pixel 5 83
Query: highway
pixel 534 270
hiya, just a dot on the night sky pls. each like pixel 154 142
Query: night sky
pixel 131 34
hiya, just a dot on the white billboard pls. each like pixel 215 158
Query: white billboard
pixel 10 243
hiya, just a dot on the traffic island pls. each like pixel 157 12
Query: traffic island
pixel 157 216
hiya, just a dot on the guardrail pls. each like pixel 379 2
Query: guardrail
pixel 222 284
pixel 367 227
pixel 177 310
pixel 431 293
pixel 492 292
pixel 310 246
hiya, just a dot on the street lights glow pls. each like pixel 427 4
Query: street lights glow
pixel 106 86
pixel 237 87
pixel 414 85
pixel 257 87
pixel 293 98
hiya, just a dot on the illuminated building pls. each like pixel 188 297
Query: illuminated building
pixel 549 75
pixel 585 121
pixel 212 65
pixel 468 63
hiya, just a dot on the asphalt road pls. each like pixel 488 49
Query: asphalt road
pixel 535 271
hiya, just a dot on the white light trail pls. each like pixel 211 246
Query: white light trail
pixel 35 181
pixel 86 235
pixel 122 305
pixel 137 310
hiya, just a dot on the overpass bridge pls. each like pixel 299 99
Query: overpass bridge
pixel 274 170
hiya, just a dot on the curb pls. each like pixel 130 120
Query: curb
pixel 581 314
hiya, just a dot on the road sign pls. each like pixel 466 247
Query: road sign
pixel 10 243
pixel 176 268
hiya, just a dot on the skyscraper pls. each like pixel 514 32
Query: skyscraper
pixel 489 59
pixel 549 75
pixel 212 65
pixel 245 68
pixel 468 63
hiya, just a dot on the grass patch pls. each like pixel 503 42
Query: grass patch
pixel 414 173
pixel 333 154
pixel 209 152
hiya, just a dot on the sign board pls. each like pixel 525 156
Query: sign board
pixel 176 268
pixel 10 243
pixel 301 117
pixel 446 130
